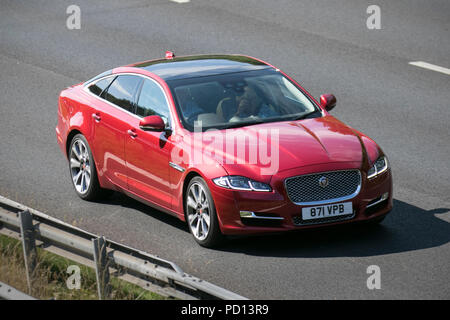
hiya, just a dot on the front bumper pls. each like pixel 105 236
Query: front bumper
pixel 275 212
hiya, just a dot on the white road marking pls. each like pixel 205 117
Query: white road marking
pixel 430 66
pixel 181 1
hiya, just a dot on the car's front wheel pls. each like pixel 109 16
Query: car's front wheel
pixel 201 214
pixel 83 171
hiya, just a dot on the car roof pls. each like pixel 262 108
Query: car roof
pixel 200 65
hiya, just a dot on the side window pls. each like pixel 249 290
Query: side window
pixel 98 87
pixel 152 101
pixel 121 91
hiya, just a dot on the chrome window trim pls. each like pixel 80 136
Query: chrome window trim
pixel 87 85
pixel 329 201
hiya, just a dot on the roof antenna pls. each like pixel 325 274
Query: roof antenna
pixel 170 54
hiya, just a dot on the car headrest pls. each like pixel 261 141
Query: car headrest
pixel 226 108
pixel 209 119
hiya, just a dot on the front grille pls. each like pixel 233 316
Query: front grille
pixel 306 189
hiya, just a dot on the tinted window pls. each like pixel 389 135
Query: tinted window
pixel 152 101
pixel 240 99
pixel 121 91
pixel 99 86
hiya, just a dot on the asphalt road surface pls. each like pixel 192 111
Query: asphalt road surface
pixel 327 47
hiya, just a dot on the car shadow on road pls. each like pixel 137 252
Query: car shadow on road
pixel 406 228
pixel 120 199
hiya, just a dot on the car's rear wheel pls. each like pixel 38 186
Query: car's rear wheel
pixel 201 214
pixel 83 171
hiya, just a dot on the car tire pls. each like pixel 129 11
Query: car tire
pixel 83 171
pixel 201 214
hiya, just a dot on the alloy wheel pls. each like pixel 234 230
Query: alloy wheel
pixel 198 211
pixel 80 166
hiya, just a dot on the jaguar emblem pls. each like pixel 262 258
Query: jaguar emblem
pixel 323 182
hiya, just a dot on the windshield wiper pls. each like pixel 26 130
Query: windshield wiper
pixel 303 116
pixel 243 124
pixel 249 123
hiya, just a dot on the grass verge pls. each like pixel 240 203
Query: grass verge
pixel 49 281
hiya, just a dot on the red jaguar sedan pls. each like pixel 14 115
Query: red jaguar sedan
pixel 228 143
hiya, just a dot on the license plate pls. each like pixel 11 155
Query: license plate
pixel 325 211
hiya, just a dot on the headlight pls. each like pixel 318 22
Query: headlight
pixel 241 183
pixel 380 166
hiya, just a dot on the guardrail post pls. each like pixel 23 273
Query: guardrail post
pixel 29 245
pixel 101 267
pixel 77 244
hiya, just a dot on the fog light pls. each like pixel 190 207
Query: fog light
pixel 378 200
pixel 246 214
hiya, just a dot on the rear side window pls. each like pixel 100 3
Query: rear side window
pixel 98 87
pixel 152 101
pixel 122 91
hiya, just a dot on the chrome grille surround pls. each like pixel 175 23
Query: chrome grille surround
pixel 305 190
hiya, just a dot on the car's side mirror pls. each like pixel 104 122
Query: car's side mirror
pixel 328 101
pixel 152 123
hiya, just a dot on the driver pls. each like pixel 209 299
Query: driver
pixel 251 106
pixel 188 106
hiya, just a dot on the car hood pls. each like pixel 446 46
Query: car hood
pixel 280 146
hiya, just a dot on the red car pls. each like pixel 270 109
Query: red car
pixel 227 143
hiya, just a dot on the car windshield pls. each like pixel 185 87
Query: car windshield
pixel 239 99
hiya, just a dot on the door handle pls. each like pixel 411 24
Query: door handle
pixel 96 117
pixel 132 133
